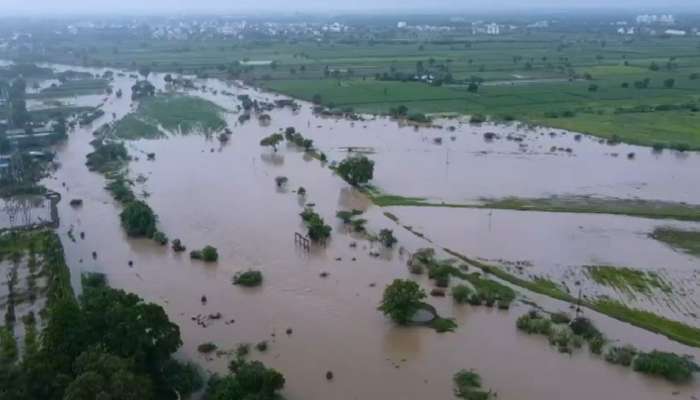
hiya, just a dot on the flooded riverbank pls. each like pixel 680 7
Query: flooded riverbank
pixel 225 195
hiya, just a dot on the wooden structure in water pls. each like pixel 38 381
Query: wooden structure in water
pixel 302 241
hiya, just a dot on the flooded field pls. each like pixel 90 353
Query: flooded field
pixel 21 211
pixel 209 193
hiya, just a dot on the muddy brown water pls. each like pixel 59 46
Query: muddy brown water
pixel 225 195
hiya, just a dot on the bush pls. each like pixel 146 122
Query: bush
pixel 461 293
pixel 160 238
pixel 401 300
pixel 138 219
pixel 671 366
pixel 560 318
pixel 584 328
pixel 248 278
pixel 621 355
pixel 534 323
pixel 468 386
pixel 207 254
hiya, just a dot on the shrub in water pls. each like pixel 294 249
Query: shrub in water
pixel 671 366
pixel 248 278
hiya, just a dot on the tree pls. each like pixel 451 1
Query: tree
pixel 129 327
pixel 249 380
pixel 669 83
pixel 272 141
pixel 316 99
pixel 401 300
pixel 473 87
pixel 138 219
pixel 356 170
pixel 103 376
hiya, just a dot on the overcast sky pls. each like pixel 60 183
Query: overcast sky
pixel 232 6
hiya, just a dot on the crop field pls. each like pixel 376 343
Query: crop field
pixel 643 90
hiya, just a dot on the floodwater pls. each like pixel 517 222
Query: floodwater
pixel 225 196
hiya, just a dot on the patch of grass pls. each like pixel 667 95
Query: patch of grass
pixel 626 279
pixel 675 330
pixel 181 114
pixel 132 128
pixel 683 240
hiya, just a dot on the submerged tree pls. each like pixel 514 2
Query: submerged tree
pixel 401 300
pixel 356 170
pixel 138 219
pixel 272 141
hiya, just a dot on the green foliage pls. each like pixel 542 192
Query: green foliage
pixel 468 386
pixel 442 325
pixel 272 140
pixel 160 238
pixel 621 355
pixel 207 254
pixel 401 300
pixel 248 380
pixel 687 241
pixel 347 216
pixel 185 378
pixel 107 157
pixel 249 278
pixel 138 219
pixel 671 366
pixel 356 170
pixel 318 231
pixel 461 293
pixel 120 189
pixel 534 323
pixel 100 375
pixel 8 346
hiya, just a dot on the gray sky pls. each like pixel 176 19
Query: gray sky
pixel 232 6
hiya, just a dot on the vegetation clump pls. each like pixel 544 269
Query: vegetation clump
pixel 401 300
pixel 671 366
pixel 621 355
pixel 272 141
pixel 138 219
pixel 468 386
pixel 249 278
pixel 356 170
pixel 207 254
pixel 318 231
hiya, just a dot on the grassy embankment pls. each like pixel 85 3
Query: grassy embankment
pixel 563 204
pixel 684 240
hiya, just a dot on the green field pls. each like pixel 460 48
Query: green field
pixel 174 114
pixel 545 78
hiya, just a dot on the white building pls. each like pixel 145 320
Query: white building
pixel 402 24
pixel 675 32
pixel 492 29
